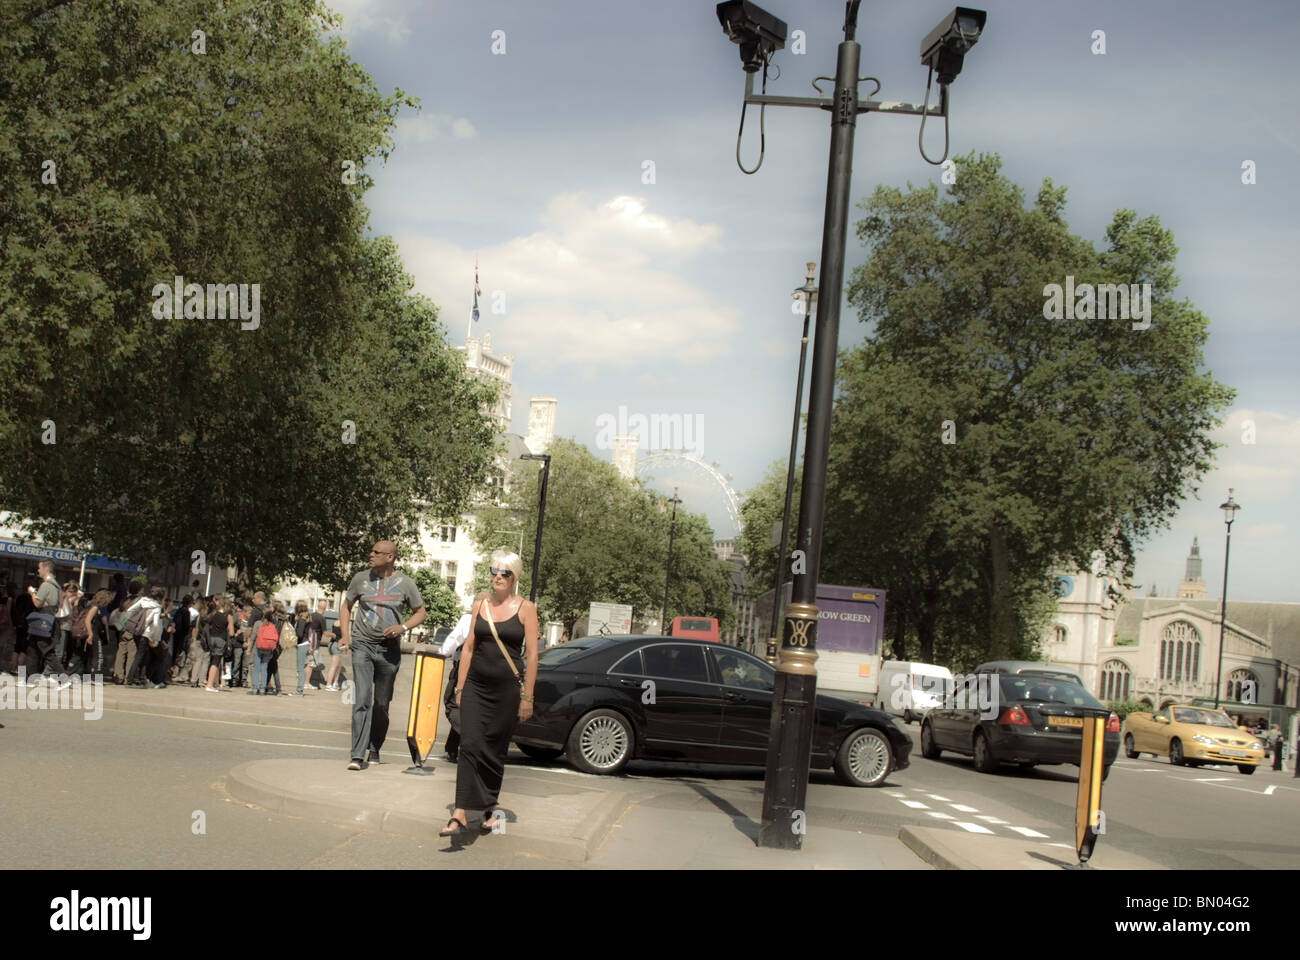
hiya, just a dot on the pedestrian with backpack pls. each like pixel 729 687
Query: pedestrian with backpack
pixel 142 620
pixel 122 647
pixel 266 641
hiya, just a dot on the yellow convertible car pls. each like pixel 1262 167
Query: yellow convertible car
pixel 1191 736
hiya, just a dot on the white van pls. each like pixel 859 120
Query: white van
pixel 908 688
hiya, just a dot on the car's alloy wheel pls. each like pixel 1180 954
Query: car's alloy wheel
pixel 1176 752
pixel 601 742
pixel 864 759
pixel 1128 747
pixel 985 762
pixel 929 749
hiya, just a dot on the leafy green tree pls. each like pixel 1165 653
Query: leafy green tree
pixel 284 440
pixel 605 540
pixel 760 514
pixel 442 603
pixel 984 443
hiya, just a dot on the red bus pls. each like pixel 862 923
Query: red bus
pixel 696 628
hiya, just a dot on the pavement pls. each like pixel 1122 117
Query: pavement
pixel 555 814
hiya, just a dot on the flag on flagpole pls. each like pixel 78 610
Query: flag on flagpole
pixel 477 290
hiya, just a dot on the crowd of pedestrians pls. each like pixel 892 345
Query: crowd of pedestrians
pixel 135 636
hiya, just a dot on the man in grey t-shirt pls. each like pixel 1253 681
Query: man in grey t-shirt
pixel 46 600
pixel 373 634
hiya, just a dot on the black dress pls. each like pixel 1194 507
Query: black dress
pixel 489 710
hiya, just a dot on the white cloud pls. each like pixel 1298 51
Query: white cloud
pixel 595 287
pixel 360 16
pixel 421 128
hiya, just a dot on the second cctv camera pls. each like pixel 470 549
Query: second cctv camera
pixel 944 47
pixel 758 33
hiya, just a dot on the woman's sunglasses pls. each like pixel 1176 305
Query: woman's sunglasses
pixel 498 572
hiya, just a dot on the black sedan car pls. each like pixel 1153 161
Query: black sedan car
pixel 603 701
pixel 1028 718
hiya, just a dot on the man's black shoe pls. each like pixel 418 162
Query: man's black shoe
pixel 372 756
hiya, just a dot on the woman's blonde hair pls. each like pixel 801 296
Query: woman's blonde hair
pixel 511 561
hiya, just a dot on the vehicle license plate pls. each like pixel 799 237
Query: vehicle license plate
pixel 1233 753
pixel 1066 721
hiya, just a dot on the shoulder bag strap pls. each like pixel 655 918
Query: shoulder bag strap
pixel 497 637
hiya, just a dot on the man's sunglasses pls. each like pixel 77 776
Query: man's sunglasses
pixel 498 572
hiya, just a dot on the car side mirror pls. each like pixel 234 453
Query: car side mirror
pixel 1160 719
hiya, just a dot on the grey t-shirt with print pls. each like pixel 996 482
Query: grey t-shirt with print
pixel 378 603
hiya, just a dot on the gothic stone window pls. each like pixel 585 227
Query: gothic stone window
pixel 1060 634
pixel 1236 685
pixel 1115 676
pixel 1180 653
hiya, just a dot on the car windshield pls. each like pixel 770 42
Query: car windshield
pixel 1043 690
pixel 1210 718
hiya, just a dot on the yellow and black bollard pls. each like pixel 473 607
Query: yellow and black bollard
pixel 426 706
pixel 1087 806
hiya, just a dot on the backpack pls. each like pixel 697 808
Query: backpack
pixel 135 619
pixel 268 638
pixel 78 630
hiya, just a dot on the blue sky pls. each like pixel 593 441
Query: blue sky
pixel 673 297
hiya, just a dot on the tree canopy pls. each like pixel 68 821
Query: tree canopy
pixel 285 439
pixel 977 444
pixel 605 540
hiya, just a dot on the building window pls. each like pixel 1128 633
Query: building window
pixel 1060 634
pixel 1180 653
pixel 1115 676
pixel 447 534
pixel 1237 681
pixel 449 574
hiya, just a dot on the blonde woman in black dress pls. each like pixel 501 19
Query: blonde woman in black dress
pixel 489 691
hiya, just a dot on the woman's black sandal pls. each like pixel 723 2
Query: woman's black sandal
pixel 461 828
pixel 484 829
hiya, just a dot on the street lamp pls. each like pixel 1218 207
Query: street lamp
pixel 808 295
pixel 1229 508
pixel 759 36
pixel 541 516
pixel 668 575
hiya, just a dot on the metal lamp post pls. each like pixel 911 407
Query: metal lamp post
pixel 759 35
pixel 668 573
pixel 808 293
pixel 1229 508
pixel 541 517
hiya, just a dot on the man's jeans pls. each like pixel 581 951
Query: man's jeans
pixel 235 654
pixel 374 670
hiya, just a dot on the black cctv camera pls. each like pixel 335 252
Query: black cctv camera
pixel 758 32
pixel 945 45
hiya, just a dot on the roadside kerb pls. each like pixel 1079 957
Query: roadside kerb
pixel 544 819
